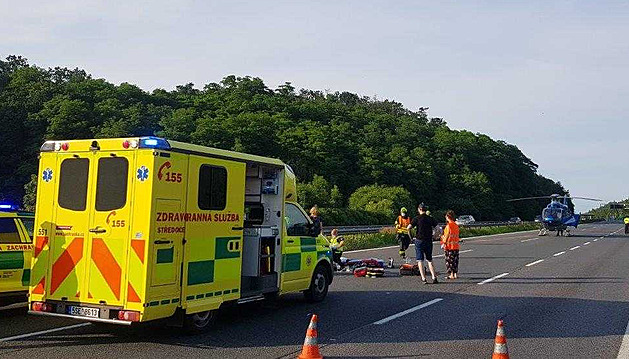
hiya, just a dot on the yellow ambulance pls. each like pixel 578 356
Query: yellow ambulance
pixel 16 230
pixel 137 229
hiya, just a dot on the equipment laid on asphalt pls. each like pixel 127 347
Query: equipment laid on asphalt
pixel 500 343
pixel 360 272
pixel 16 251
pixel 351 264
pixel 375 272
pixel 409 269
pixel 310 349
pixel 138 229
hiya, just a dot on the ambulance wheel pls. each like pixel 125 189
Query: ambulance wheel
pixel 318 285
pixel 199 322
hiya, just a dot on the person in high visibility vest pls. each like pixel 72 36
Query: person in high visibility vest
pixel 336 245
pixel 627 225
pixel 401 227
pixel 450 245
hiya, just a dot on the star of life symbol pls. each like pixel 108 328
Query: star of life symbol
pixel 143 173
pixel 47 175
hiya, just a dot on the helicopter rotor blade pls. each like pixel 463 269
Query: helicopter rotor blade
pixel 528 198
pixel 584 198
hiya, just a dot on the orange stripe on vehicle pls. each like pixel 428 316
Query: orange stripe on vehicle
pixel 65 263
pixel 40 243
pixel 39 288
pixel 89 295
pixel 132 295
pixel 138 248
pixel 107 265
pixel 78 294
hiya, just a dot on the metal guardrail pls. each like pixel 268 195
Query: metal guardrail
pixel 378 228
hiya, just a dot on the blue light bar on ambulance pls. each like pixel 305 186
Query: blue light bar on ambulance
pixel 5 207
pixel 154 142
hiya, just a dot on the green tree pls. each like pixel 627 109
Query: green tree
pixel 380 198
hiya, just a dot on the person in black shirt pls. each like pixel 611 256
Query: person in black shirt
pixel 317 223
pixel 423 241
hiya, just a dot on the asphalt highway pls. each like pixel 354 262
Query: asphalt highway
pixel 559 297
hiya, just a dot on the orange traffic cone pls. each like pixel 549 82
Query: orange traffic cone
pixel 311 348
pixel 500 345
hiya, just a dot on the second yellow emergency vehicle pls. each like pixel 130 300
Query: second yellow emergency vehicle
pixel 137 229
pixel 16 230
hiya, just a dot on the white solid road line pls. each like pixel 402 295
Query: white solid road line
pixel 22 336
pixel 586 243
pixel 558 254
pixel 575 247
pixel 463 239
pixel 14 306
pixel 461 252
pixel 596 240
pixel 408 311
pixel 526 240
pixel 623 353
pixel 534 263
pixel 493 278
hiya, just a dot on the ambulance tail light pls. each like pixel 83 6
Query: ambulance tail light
pixel 129 315
pixel 154 142
pixel 42 307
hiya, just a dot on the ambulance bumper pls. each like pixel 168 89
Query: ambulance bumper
pixel 87 319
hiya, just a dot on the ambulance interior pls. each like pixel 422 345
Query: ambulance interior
pixel 261 250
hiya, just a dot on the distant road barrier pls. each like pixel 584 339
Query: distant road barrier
pixel 378 228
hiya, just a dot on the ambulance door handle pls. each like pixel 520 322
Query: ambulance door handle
pixel 290 241
pixel 237 228
pixel 162 242
pixel 98 230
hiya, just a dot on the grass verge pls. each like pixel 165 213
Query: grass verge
pixel 387 237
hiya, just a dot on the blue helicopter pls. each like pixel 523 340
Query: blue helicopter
pixel 557 215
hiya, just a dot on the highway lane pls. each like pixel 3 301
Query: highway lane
pixel 574 302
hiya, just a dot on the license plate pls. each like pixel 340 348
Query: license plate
pixel 83 311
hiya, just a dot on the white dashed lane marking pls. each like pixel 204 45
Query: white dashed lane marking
pixel 559 253
pixel 408 311
pixel 534 263
pixel 493 278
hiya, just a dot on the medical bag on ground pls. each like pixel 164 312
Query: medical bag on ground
pixel 360 272
pixel 409 269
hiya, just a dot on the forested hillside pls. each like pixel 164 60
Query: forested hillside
pixel 336 142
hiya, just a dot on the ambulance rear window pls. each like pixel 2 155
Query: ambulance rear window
pixel 111 184
pixel 8 231
pixel 73 183
pixel 212 188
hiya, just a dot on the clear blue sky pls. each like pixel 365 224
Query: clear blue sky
pixel 548 76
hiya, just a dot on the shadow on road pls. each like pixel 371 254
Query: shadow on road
pixel 283 323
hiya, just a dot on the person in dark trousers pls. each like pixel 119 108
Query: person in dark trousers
pixel 450 245
pixel 401 228
pixel 626 225
pixel 336 245
pixel 423 242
